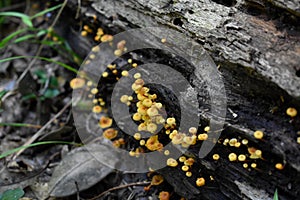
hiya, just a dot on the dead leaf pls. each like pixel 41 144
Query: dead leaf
pixel 81 167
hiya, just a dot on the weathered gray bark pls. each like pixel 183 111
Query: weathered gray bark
pixel 257 44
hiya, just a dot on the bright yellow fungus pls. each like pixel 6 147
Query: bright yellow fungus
pixel 153 144
pixel 172 162
pixel 105 74
pixel 245 165
pixel 110 133
pixel 167 152
pixel 137 117
pixel 94 91
pixel 202 136
pixel 279 166
pixel 107 38
pixel 171 121
pixel 182 158
pixel 97 109
pixel 207 128
pixel 232 157
pixel 200 182
pixel 105 122
pixel 137 136
pixel 147 102
pixel 216 157
pixel 292 112
pixel 185 168
pixel 77 83
pixel 124 73
pixel 193 130
pixel 253 165
pixel 142 142
pixel 151 127
pixel 188 174
pixel 137 75
pixel 258 134
pixel 163 195
pixel 244 141
pixel 241 157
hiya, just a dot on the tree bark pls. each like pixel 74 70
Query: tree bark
pixel 257 46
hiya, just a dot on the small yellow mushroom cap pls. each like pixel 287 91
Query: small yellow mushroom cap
pixel 163 195
pixel 137 136
pixel 77 83
pixel 97 109
pixel 241 157
pixel 216 157
pixel 182 158
pixel 166 152
pixel 124 73
pixel 200 182
pixel 94 91
pixel 279 166
pixel 244 141
pixel 107 38
pixel 137 117
pixel 202 136
pixel 232 157
pixel 105 122
pixel 193 130
pixel 171 121
pixel 188 174
pixel 245 165
pixel 172 162
pixel 142 142
pixel 207 128
pixel 137 75
pixel 147 102
pixel 185 168
pixel 152 111
pixel 253 165
pixel 292 112
pixel 258 134
pixel 151 127
pixel 110 133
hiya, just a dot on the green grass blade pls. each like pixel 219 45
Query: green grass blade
pixel 46 11
pixel 7 153
pixel 11 36
pixel 20 125
pixel 276 195
pixel 24 38
pixel 68 67
pixel 25 18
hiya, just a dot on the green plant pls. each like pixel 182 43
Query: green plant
pixel 12 194
pixel 275 195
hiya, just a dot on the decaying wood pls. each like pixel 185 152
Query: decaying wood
pixel 257 45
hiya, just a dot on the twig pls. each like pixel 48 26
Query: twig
pixel 120 187
pixel 42 45
pixel 40 132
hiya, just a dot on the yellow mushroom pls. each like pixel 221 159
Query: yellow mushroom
pixel 232 157
pixel 172 162
pixel 292 112
pixel 110 133
pixel 105 122
pixel 258 134
pixel 200 182
pixel 77 83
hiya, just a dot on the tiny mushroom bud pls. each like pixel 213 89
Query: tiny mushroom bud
pixel 137 117
pixel 157 179
pixel 151 127
pixel 253 165
pixel 152 111
pixel 200 182
pixel 137 75
pixel 245 165
pixel 244 141
pixel 292 112
pixel 279 166
pixel 142 142
pixel 167 152
pixel 147 102
pixel 124 73
pixel 258 134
